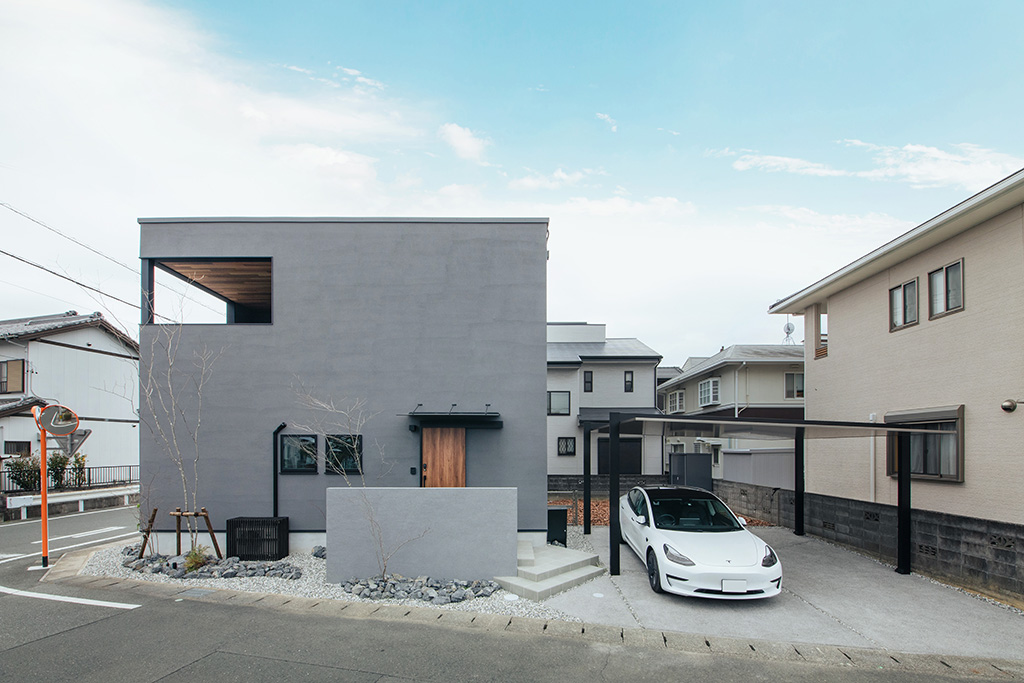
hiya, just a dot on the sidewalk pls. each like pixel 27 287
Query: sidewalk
pixel 831 596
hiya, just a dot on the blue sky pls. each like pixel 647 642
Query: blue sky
pixel 697 161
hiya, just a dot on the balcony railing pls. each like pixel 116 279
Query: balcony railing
pixel 72 479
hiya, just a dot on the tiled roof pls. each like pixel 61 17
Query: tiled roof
pixel 575 352
pixel 740 353
pixel 20 405
pixel 44 325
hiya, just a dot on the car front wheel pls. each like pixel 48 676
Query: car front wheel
pixel 653 575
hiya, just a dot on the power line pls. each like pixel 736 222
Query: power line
pixel 98 253
pixel 65 277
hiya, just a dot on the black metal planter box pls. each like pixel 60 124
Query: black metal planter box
pixel 258 538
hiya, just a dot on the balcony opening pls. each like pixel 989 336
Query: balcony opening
pixel 232 291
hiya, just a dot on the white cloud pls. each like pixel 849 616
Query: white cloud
pixel 556 180
pixel 830 224
pixel 968 166
pixel 669 130
pixel 612 122
pixel 466 144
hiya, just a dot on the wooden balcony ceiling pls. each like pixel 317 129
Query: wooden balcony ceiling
pixel 246 282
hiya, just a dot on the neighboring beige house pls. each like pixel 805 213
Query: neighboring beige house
pixel 589 377
pixel 928 329
pixel 748 380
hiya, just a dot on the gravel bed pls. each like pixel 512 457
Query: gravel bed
pixel 107 562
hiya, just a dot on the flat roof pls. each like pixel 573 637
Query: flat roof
pixel 335 219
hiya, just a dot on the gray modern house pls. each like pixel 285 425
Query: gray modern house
pixel 404 352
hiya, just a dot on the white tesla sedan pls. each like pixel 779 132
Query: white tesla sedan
pixel 694 545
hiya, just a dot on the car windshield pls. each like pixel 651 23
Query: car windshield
pixel 687 513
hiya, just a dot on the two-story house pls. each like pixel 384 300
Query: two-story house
pixel 926 330
pixel 81 361
pixel 748 380
pixel 589 377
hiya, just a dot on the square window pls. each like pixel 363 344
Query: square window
pixel 343 454
pixel 794 385
pixel 707 392
pixel 567 445
pixel 677 401
pixel 588 381
pixel 946 289
pixel 298 454
pixel 22 449
pixel 933 455
pixel 558 403
pixel 627 378
pixel 903 305
pixel 12 376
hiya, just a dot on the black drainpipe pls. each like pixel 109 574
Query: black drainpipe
pixel 276 432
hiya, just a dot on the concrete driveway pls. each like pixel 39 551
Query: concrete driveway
pixel 831 596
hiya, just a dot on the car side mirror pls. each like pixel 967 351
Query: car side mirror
pixel 743 521
pixel 641 520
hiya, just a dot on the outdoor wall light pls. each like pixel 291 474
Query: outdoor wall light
pixel 413 428
pixel 1009 405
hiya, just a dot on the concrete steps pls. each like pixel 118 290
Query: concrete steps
pixel 547 570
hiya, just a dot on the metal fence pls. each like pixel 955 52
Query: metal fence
pixel 71 479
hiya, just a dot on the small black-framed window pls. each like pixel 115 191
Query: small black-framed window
pixel 567 445
pixel 298 454
pixel 558 403
pixel 588 381
pixel 343 454
pixel 903 305
pixel 627 380
pixel 946 290
pixel 22 449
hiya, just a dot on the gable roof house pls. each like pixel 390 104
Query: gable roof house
pixel 590 376
pixel 926 330
pixel 82 362
pixel 355 352
pixel 749 380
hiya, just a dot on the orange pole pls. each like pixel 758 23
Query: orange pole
pixel 42 490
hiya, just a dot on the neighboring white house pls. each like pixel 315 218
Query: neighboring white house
pixel 749 380
pixel 589 377
pixel 82 362
pixel 927 329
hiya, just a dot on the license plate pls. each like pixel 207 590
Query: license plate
pixel 734 586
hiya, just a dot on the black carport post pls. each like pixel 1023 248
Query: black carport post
pixel 614 532
pixel 798 481
pixel 903 512
pixel 587 426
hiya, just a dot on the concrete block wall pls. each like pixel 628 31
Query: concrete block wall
pixel 599 482
pixel 978 554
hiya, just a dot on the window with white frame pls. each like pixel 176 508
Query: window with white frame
pixel 946 289
pixel 903 305
pixel 708 392
pixel 938 454
pixel 12 376
pixel 677 401
pixel 794 385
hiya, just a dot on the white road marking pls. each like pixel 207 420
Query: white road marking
pixel 5 525
pixel 64 598
pixel 80 535
pixel 68 547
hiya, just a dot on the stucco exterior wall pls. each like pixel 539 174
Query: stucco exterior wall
pixel 972 357
pixel 395 312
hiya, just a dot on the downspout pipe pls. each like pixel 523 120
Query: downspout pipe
pixel 736 390
pixel 276 440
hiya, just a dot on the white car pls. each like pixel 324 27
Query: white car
pixel 693 544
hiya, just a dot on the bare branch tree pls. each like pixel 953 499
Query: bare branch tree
pixel 384 551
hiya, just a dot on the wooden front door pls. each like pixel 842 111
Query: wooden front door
pixel 444 456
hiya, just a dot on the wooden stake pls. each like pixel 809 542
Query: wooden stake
pixel 209 527
pixel 177 527
pixel 145 537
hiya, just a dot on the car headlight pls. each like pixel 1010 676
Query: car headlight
pixel 770 559
pixel 674 555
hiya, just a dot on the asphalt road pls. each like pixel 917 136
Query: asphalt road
pixel 138 632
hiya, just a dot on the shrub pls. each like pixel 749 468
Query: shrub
pixel 196 558
pixel 56 467
pixel 24 472
pixel 78 471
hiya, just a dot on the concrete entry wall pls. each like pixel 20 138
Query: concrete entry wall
pixel 984 555
pixel 456 533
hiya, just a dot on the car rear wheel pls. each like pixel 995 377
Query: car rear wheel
pixel 653 575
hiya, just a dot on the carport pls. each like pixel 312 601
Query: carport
pixel 759 428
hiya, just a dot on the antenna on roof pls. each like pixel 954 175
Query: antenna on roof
pixel 788 329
